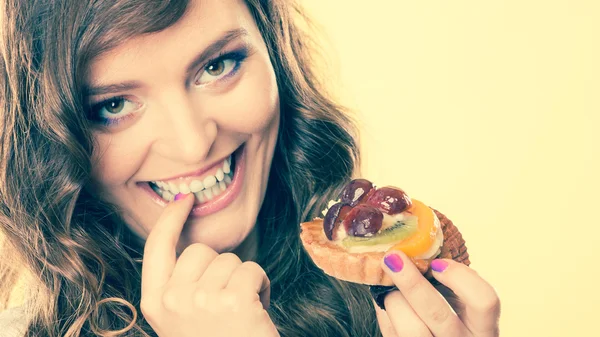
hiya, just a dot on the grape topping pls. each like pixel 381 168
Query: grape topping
pixel 361 208
pixel 363 220
pixel 334 217
pixel 390 200
pixel 355 191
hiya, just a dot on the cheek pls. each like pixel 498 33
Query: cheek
pixel 252 106
pixel 115 159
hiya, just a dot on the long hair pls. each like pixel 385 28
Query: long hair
pixel 86 268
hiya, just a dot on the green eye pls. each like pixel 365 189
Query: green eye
pixel 114 109
pixel 216 68
pixel 114 106
pixel 216 71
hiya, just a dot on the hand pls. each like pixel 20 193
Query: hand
pixel 419 310
pixel 201 293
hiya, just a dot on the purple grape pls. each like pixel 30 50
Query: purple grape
pixel 363 220
pixel 333 218
pixel 390 200
pixel 355 191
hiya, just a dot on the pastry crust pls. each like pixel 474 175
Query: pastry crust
pixel 365 267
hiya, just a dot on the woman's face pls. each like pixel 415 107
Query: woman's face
pixel 182 108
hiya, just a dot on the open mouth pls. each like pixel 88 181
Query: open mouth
pixel 213 190
pixel 204 189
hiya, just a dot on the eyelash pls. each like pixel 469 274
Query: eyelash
pixel 238 56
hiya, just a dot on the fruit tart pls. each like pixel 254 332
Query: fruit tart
pixel 365 222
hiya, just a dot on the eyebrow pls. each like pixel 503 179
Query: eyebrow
pixel 212 49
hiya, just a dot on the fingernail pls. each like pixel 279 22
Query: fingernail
pixel 179 196
pixel 394 262
pixel 439 265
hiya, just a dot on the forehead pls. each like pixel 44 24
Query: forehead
pixel 204 22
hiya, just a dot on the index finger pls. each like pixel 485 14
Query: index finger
pixel 481 302
pixel 160 253
pixel 250 277
pixel 425 300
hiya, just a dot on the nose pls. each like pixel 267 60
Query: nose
pixel 185 133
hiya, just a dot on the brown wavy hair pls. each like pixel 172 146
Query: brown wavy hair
pixel 84 263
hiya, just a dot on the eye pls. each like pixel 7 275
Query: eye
pixel 217 70
pixel 114 109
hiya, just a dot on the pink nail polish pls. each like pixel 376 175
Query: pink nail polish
pixel 439 265
pixel 179 196
pixel 394 262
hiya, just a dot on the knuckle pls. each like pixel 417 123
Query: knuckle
pixel 229 258
pixel 489 303
pixel 200 299
pixel 149 308
pixel 170 299
pixel 197 249
pixel 236 300
pixel 440 314
pixel 412 287
pixel 254 267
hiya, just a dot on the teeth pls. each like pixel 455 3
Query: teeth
pixel 173 188
pixel 216 190
pixel 226 166
pixel 200 196
pixel 168 196
pixel 196 186
pixel 184 188
pixel 203 190
pixel 220 175
pixel 209 182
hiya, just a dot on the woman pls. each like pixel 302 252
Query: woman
pixel 157 157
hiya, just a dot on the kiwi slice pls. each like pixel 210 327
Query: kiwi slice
pixel 398 232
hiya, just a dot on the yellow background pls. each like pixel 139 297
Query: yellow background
pixel 488 111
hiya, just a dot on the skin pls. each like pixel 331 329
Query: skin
pixel 191 281
pixel 419 310
pixel 176 126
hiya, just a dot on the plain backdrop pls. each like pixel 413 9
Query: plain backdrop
pixel 488 111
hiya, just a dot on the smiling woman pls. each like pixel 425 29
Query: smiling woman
pixel 154 102
pixel 156 160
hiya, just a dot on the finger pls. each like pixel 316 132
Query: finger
pixel 385 325
pixel 250 277
pixel 426 302
pixel 265 326
pixel 481 303
pixel 160 248
pixel 226 300
pixel 176 298
pixel 193 263
pixel 404 319
pixel 219 272
pixel 243 308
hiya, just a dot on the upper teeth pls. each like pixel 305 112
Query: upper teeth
pixel 218 181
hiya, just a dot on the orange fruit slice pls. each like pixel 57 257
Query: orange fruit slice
pixel 421 241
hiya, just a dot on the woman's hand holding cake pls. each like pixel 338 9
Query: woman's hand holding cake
pixel 382 237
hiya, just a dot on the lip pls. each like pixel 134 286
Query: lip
pixel 219 202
